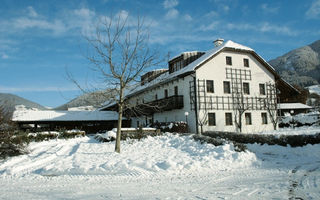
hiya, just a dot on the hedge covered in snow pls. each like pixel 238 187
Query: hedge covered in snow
pixel 127 133
pixel 282 140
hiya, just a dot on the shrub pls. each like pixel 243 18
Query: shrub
pixel 137 134
pixel 172 127
pixel 283 140
pixel 9 145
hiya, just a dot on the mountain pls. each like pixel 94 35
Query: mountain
pixel 86 101
pixel 10 101
pixel 300 66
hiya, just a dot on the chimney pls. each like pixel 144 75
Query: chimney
pixel 218 42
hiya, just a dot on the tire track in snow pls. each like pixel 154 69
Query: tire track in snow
pixel 302 179
pixel 39 160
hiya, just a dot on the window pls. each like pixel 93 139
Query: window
pixel 176 90
pixel 228 60
pixel 246 88
pixel 156 96
pixel 138 124
pixel 210 87
pixel 226 87
pixel 248 118
pixel 165 93
pixel 212 119
pixel 246 62
pixel 264 118
pixel 228 119
pixel 262 89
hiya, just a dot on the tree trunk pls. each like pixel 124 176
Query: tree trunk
pixel 120 110
pixel 118 137
pixel 240 122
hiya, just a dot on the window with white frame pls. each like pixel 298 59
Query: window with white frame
pixel 226 87
pixel 264 118
pixel 228 119
pixel 248 118
pixel 246 62
pixel 246 88
pixel 211 119
pixel 210 86
pixel 262 89
pixel 228 60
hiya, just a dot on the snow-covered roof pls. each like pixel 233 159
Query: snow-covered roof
pixel 51 115
pixel 192 66
pixel 314 89
pixel 182 53
pixel 284 106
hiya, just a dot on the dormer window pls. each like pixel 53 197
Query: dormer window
pixel 183 60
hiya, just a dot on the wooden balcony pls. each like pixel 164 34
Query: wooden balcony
pixel 160 105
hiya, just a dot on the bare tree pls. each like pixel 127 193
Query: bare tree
pixel 120 55
pixel 271 103
pixel 202 119
pixel 240 103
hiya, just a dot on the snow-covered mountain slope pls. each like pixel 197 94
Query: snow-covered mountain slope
pixel 300 66
pixel 10 101
pixel 92 99
pixel 314 89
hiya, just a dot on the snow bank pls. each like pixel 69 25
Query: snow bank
pixel 308 118
pixel 167 154
pixel 304 130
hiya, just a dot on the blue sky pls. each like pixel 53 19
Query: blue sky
pixel 40 39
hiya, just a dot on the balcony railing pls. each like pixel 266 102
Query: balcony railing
pixel 160 105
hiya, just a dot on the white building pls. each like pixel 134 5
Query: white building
pixel 214 88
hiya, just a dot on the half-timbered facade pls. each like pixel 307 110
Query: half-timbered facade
pixel 228 88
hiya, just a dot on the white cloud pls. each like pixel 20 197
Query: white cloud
pixel 123 14
pixel 212 14
pixel 37 89
pixel 268 9
pixel 31 11
pixel 210 27
pixel 314 11
pixel 172 13
pixel 84 13
pixel 267 27
pixel 4 56
pixel 240 26
pixel 226 8
pixel 83 19
pixel 168 4
pixel 57 26
pixel 187 17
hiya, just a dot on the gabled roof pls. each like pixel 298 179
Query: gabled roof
pixel 192 66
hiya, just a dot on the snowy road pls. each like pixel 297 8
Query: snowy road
pixel 167 167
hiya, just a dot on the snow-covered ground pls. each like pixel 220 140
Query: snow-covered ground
pixel 163 167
